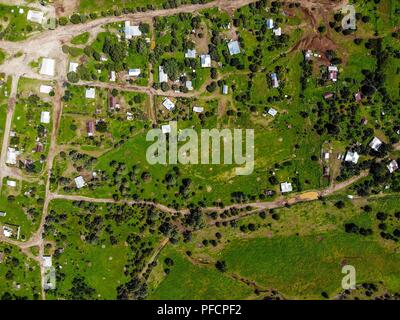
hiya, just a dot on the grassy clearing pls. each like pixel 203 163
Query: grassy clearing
pixel 309 236
pixel 23 205
pixel 20 275
pixel 80 38
pixel 101 251
pixel 195 282
pixel 13 25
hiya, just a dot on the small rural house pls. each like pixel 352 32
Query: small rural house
pixel 90 93
pixel 205 60
pixel 286 187
pixel 47 67
pixel 393 166
pixel 233 47
pixel 168 104
pixel 45 117
pixel 375 144
pixel 80 183
pixel 190 54
pixel 35 16
pixel 131 31
pixel 162 76
pixel 352 157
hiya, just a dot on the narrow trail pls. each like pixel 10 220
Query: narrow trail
pixel 154 256
pixel 7 128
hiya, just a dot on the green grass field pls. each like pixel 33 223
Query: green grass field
pixel 195 281
pixel 300 254
pixel 20 275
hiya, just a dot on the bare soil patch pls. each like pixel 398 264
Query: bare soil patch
pixel 66 7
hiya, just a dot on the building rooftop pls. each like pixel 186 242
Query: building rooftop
pixel 134 72
pixel 286 187
pixel 375 144
pixel 80 182
pixel 277 32
pixel 12 156
pixel 45 117
pixel 198 109
pixel 90 93
pixel 189 85
pixel 205 60
pixel 45 89
pixel 162 76
pixel 393 166
pixel 47 263
pixel 166 128
pixel 275 82
pixel 47 67
pixel 11 183
pixel 73 66
pixel 35 16
pixel 352 157
pixel 190 53
pixel 131 31
pixel 168 104
pixel 233 47
pixel 272 112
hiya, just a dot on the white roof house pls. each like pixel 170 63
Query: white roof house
pixel 45 117
pixel 131 31
pixel 35 16
pixel 189 85
pixel 272 112
pixel 198 109
pixel 47 263
pixel 352 157
pixel 277 32
pixel 7 232
pixel 45 89
pixel 205 60
pixel 3 214
pixel 275 82
pixel 168 104
pixel 134 72
pixel 333 68
pixel 225 89
pixel 80 183
pixel 191 54
pixel 112 76
pixel 393 166
pixel 162 76
pixel 90 93
pixel 11 183
pixel 270 24
pixel 47 67
pixel 73 66
pixel 286 187
pixel 166 128
pixel 12 156
pixel 233 47
pixel 375 144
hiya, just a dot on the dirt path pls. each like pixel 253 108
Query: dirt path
pixel 7 128
pixel 162 207
pixel 154 256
